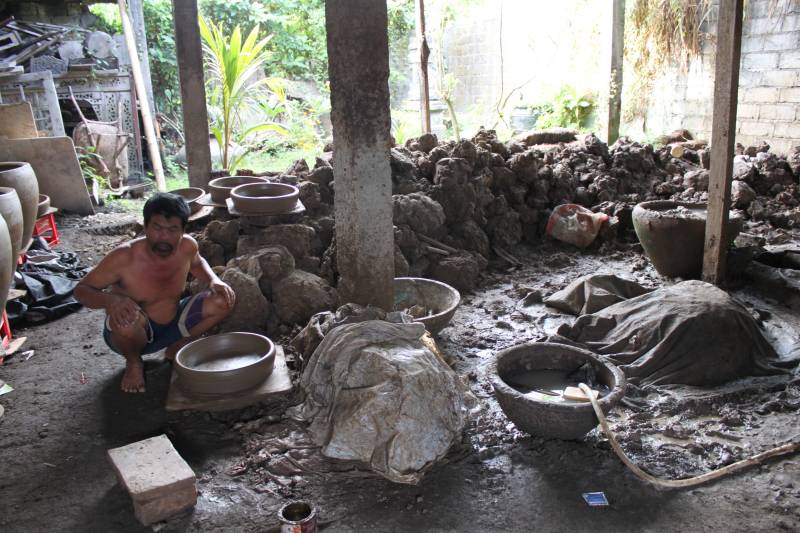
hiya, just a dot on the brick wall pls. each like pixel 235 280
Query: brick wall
pixel 769 83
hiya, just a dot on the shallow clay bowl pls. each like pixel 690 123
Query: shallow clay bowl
pixel 44 205
pixel 553 420
pixel 191 195
pixel 225 364
pixel 221 188
pixel 438 297
pixel 265 198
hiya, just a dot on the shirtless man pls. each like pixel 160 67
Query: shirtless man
pixel 139 284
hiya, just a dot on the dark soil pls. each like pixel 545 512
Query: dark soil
pixel 54 474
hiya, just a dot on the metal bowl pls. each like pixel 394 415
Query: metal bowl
pixel 265 198
pixel 225 363
pixel 221 188
pixel 568 421
pixel 440 299
pixel 191 195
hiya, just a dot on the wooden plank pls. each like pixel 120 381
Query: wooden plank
pixel 615 80
pixel 193 91
pixel 723 133
pixel 57 170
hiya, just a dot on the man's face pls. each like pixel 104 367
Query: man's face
pixel 163 234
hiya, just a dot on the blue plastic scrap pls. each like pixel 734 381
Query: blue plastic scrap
pixel 595 499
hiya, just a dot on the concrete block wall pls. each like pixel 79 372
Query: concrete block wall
pixel 769 83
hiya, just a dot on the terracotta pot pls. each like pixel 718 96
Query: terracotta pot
pixel 221 188
pixel 673 235
pixel 224 364
pixel 44 205
pixel 265 198
pixel 439 299
pixel 11 211
pixel 8 263
pixel 191 195
pixel 20 176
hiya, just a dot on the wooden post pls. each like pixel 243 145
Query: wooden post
pixel 723 133
pixel 615 80
pixel 147 116
pixel 424 54
pixel 358 68
pixel 189 52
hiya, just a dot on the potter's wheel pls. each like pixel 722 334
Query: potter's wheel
pixel 224 364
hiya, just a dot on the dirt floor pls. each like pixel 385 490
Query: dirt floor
pixel 67 410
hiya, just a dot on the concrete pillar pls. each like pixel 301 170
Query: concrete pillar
pixel 189 53
pixel 358 68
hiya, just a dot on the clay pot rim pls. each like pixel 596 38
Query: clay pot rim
pixel 217 182
pixel 291 191
pixel 659 206
pixel 451 290
pixel 186 349
pixel 6 166
pixel 503 388
pixel 9 190
pixel 194 190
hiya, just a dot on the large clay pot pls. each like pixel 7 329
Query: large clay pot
pixel 20 176
pixel 673 235
pixel 7 263
pixel 11 211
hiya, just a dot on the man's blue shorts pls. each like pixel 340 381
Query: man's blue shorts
pixel 159 336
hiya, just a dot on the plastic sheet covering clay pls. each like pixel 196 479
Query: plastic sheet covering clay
pixel 691 333
pixel 376 394
pixel 594 292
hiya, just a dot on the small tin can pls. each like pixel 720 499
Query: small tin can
pixel 298 517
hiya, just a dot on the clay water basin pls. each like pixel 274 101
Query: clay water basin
pixel 527 380
pixel 265 198
pixel 225 364
pixel 191 195
pixel 43 206
pixel 430 302
pixel 220 188
pixel 673 235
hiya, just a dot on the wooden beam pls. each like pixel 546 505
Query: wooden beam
pixel 189 52
pixel 723 133
pixel 424 53
pixel 615 79
pixel 141 91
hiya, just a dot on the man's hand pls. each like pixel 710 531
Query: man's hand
pixel 123 312
pixel 223 290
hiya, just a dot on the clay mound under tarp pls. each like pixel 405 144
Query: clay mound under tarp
pixel 376 394
pixel 691 333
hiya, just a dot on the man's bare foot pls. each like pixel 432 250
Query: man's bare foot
pixel 133 379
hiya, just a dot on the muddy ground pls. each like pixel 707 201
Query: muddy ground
pixel 54 474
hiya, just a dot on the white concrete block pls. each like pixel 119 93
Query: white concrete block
pixel 159 481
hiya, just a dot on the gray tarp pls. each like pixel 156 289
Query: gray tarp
pixel 691 333
pixel 377 394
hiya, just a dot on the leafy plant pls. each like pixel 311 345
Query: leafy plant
pixel 569 109
pixel 236 87
pixel 90 161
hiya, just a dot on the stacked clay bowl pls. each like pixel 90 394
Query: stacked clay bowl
pixel 191 195
pixel 220 188
pixel 265 198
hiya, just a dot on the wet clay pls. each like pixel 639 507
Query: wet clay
pixel 230 362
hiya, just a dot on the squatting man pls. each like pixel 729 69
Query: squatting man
pixel 139 284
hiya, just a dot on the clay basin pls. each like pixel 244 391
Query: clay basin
pixel 221 188
pixel 44 205
pixel 265 198
pixel 191 195
pixel 673 235
pixel 542 415
pixel 438 299
pixel 225 364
